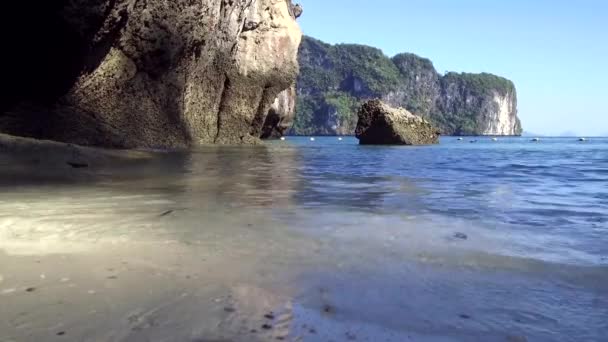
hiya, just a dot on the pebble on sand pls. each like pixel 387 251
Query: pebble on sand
pixel 166 213
pixel 461 236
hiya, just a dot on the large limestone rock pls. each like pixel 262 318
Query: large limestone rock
pixel 380 124
pixel 155 73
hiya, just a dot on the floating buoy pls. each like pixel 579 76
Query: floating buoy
pixel 340 139
pixel 535 140
pixel 582 139
pixel 459 139
pixel 494 139
pixel 312 139
pixel 282 138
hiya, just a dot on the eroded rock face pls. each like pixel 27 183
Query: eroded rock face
pixel 153 73
pixel 281 114
pixel 380 124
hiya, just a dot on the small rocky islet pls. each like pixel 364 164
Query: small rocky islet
pixel 380 124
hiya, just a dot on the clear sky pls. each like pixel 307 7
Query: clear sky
pixel 556 51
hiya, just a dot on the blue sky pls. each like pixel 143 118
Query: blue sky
pixel 556 51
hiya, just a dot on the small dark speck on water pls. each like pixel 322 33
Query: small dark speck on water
pixel 269 315
pixel 61 333
pixel 328 309
pixel 229 309
pixel 312 331
pixel 166 213
pixel 464 316
pixel 112 277
pixel 266 326
pixel 253 331
pixel 30 289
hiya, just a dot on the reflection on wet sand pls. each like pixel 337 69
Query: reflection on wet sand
pixel 143 249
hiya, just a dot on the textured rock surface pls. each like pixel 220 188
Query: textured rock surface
pixel 155 73
pixel 335 80
pixel 281 114
pixel 380 124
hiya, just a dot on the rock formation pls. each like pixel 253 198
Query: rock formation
pixel 155 73
pixel 380 124
pixel 335 80
pixel 480 104
pixel 281 114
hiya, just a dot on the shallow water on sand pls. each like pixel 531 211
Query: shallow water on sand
pixel 310 241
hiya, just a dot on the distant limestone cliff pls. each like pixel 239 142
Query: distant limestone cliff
pixel 336 79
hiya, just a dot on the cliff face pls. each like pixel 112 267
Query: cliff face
pixel 335 80
pixel 418 88
pixel 481 104
pixel 155 73
pixel 281 114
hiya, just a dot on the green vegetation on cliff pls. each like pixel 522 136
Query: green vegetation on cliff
pixel 335 79
pixel 325 66
pixel 366 67
pixel 480 84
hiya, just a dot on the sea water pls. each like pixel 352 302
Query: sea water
pixel 302 240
